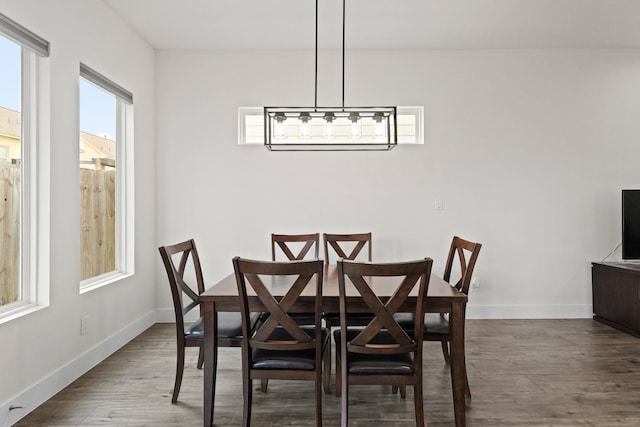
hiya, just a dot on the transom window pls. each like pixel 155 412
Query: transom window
pixel 251 125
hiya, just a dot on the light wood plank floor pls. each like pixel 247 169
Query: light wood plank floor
pixel 522 373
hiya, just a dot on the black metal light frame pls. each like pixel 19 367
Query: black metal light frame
pixel 380 123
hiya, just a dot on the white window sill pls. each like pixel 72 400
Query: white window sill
pixel 19 311
pixel 102 280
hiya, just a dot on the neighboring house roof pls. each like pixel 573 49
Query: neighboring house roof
pixel 9 123
pixel 94 146
pixel 91 146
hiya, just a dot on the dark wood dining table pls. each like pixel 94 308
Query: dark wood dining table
pixel 441 298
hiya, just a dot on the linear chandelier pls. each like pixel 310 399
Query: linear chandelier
pixel 330 128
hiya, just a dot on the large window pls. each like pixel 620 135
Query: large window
pixel 23 164
pixel 105 179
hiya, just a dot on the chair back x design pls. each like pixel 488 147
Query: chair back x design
pixel 339 242
pixel 382 352
pixel 286 244
pixel 280 348
pixel 460 249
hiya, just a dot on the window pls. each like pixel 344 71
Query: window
pixel 23 171
pixel 251 125
pixel 105 147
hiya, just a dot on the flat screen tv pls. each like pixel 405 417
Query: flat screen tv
pixel 630 224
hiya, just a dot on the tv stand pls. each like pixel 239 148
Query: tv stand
pixel 616 295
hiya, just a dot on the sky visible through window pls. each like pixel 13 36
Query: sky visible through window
pixel 97 111
pixel 97 107
pixel 9 74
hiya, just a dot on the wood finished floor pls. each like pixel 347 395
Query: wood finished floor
pixel 522 373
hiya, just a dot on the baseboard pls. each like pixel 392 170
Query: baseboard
pixel 40 392
pixel 530 311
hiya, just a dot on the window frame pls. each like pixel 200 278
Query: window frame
pixel 34 171
pixel 124 222
pixel 416 111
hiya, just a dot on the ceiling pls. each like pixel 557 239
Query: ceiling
pixel 390 24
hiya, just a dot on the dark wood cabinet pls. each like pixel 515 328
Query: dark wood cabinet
pixel 616 295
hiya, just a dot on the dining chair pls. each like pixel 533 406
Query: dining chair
pixel 305 244
pixel 339 243
pixel 349 247
pixel 286 243
pixel 280 348
pixel 436 325
pixel 185 299
pixel 382 352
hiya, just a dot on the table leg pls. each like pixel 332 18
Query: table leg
pixel 456 325
pixel 210 360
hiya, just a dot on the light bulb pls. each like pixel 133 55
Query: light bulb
pixel 379 128
pixel 280 131
pixel 330 126
pixel 304 131
pixel 356 128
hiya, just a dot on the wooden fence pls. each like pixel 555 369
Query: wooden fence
pixel 97 222
pixel 9 233
pixel 97 234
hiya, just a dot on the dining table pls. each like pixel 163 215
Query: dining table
pixel 441 298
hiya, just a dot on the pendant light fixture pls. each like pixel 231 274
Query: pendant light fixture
pixel 330 128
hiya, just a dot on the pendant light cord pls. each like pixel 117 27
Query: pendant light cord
pixel 343 33
pixel 315 102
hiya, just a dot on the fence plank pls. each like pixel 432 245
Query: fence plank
pixel 97 218
pixel 9 234
pixel 86 231
pixel 110 223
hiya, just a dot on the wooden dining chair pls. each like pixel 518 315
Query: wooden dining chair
pixel 382 352
pixel 286 242
pixel 349 247
pixel 339 243
pixel 458 274
pixel 185 299
pixel 280 348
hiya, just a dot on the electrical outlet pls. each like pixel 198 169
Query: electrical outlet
pixel 475 284
pixel 439 204
pixel 84 325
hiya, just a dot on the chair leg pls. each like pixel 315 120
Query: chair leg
pixel 318 387
pixel 179 372
pixel 418 402
pixel 466 381
pixel 247 391
pixel 399 388
pixel 326 368
pixel 201 357
pixel 338 377
pixel 263 385
pixel 344 401
pixel 445 352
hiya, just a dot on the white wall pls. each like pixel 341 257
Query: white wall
pixel 529 150
pixel 42 352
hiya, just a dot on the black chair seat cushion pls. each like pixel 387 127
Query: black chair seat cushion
pixel 434 323
pixel 357 319
pixel 303 360
pixel 229 326
pixel 387 364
